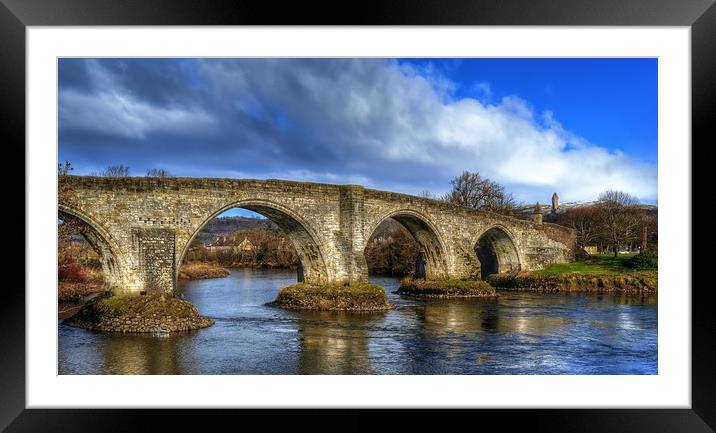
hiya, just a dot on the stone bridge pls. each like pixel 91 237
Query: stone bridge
pixel 142 227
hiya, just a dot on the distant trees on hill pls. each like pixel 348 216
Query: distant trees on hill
pixel 615 221
pixel 256 247
pixel 158 172
pixel 112 171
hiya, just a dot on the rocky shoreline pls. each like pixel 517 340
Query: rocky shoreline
pixel 139 314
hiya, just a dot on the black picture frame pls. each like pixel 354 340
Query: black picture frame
pixel 700 15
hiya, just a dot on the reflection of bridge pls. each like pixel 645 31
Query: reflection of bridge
pixel 142 227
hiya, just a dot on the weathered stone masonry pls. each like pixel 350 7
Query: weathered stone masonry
pixel 143 226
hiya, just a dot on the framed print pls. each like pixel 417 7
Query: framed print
pixel 431 206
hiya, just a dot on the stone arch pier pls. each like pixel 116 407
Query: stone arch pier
pixel 142 227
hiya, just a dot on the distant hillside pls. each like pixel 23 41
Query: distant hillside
pixel 226 226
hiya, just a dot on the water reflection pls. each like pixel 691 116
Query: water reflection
pixel 518 333
pixel 460 316
pixel 328 346
pixel 142 355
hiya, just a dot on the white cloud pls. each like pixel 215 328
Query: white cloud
pixel 122 115
pixel 115 110
pixel 372 121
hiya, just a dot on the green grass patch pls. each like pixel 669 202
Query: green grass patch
pixel 333 297
pixel 601 264
pixel 446 288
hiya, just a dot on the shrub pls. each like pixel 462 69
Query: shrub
pixel 72 272
pixel 644 260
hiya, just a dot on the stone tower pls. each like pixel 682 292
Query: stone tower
pixel 555 202
pixel 537 214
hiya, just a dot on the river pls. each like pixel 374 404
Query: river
pixel 519 333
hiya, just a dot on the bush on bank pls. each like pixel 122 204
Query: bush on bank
pixel 446 288
pixel 332 297
pixel 149 313
pixel 644 260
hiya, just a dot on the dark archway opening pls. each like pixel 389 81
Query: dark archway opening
pixel 497 253
pixel 488 259
pixel 393 252
pixel 405 245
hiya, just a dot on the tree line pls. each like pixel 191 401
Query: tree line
pixel 615 221
pixel 119 170
pixel 256 248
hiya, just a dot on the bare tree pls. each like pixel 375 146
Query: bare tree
pixel 584 221
pixel 158 172
pixel 471 190
pixel 426 194
pixel 64 169
pixel 618 218
pixel 115 171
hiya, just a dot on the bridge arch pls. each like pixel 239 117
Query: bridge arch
pixel 113 265
pixel 425 234
pixel 305 240
pixel 497 251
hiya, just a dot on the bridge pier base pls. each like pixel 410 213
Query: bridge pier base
pixel 154 267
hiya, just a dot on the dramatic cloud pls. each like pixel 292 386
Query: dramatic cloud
pixel 376 122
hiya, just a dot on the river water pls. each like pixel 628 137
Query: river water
pixel 519 333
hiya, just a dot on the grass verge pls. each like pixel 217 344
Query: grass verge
pixel 446 288
pixel 600 264
pixel 597 274
pixel 332 297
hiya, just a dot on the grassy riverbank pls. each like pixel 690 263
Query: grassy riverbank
pixel 332 297
pixel 149 313
pixel 446 288
pixel 598 274
pixel 202 270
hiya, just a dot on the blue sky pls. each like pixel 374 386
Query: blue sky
pixel 575 126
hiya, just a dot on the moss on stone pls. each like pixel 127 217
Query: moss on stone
pixel 332 297
pixel 150 313
pixel 446 288
pixel 632 282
